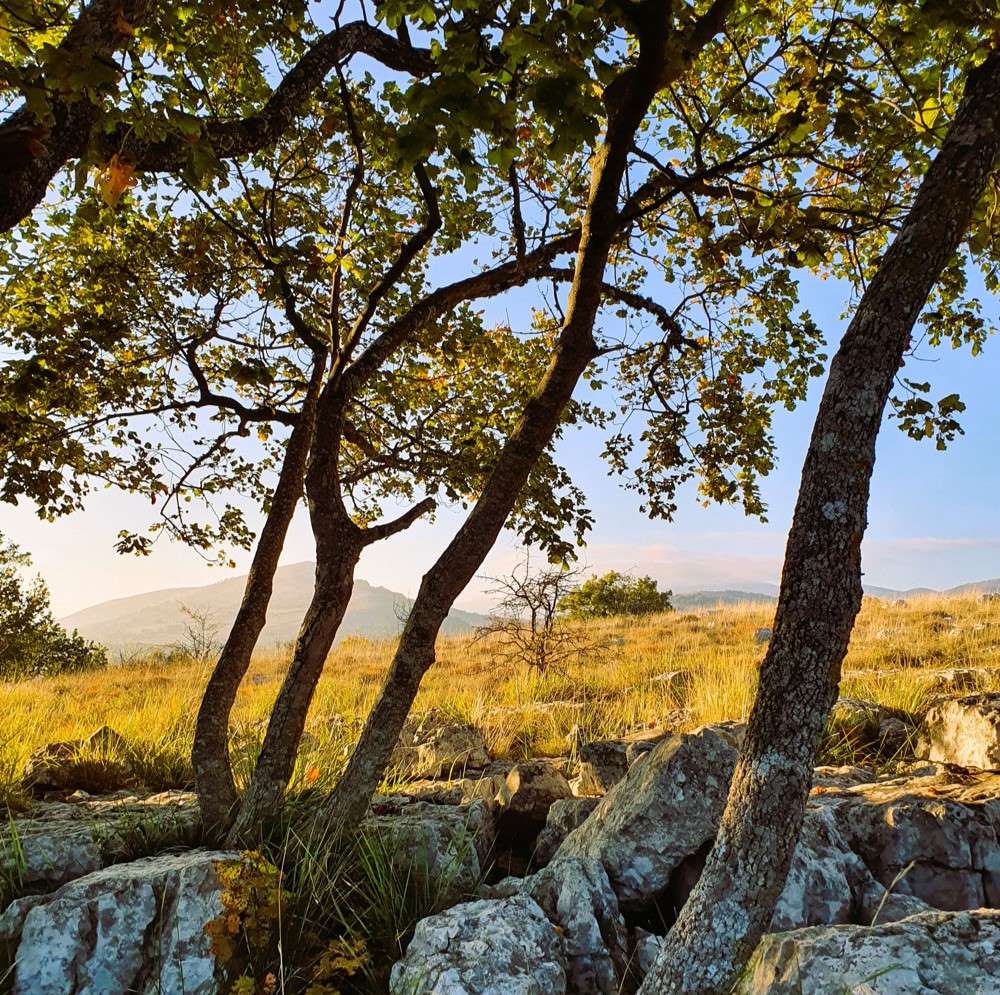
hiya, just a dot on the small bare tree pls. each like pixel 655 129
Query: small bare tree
pixel 200 641
pixel 526 620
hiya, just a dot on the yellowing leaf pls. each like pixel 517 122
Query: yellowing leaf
pixel 116 178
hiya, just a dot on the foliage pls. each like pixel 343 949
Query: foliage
pixel 252 898
pixel 525 624
pixel 613 594
pixel 32 642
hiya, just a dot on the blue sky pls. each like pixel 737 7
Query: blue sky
pixel 933 515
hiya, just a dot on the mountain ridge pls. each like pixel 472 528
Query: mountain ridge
pixel 155 619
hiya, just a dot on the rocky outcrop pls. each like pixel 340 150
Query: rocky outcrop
pixel 449 843
pixel 963 731
pixel 525 798
pixel 934 953
pixel 138 927
pixel 59 841
pixel 505 947
pixel 933 834
pixel 437 747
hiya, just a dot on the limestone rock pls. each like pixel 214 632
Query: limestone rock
pixel 482 785
pixel 963 731
pixel 564 816
pixel 132 928
pixel 449 842
pixel 667 807
pixel 933 953
pixel 944 822
pixel 762 636
pixel 505 947
pixel 59 841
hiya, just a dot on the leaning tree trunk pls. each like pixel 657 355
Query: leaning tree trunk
pixel 732 904
pixel 210 754
pixel 336 559
pixel 627 99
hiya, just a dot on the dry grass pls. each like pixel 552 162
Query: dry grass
pixel 894 655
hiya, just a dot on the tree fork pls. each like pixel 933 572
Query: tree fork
pixel 663 55
pixel 732 904
pixel 210 754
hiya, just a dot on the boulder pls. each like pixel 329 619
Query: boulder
pixel 867 726
pixel 604 762
pixel 59 841
pixel 666 807
pixel 137 928
pixel 505 947
pixel 525 798
pixel 436 748
pixel 963 731
pixel 934 834
pixel 563 817
pixel 449 843
pixel 762 636
pixel 933 953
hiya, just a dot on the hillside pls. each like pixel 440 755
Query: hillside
pixel 156 618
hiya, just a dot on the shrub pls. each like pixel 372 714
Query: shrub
pixel 32 642
pixel 615 594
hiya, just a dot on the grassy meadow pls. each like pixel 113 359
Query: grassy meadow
pixel 608 691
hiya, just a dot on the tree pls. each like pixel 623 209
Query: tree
pixel 526 620
pixel 115 84
pixel 731 906
pixel 270 324
pixel 32 642
pixel 200 641
pixel 615 594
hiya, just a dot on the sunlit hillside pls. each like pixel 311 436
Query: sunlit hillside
pixel 896 655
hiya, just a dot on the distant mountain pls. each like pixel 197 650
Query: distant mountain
pixel 711 599
pixel 768 593
pixel 156 619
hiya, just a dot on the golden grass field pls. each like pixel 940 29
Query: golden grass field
pixel 609 691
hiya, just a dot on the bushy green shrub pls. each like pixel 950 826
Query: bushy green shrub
pixel 32 642
pixel 615 594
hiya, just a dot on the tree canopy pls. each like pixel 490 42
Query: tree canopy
pixel 32 642
pixel 613 594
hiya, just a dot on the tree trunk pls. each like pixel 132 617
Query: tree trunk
pixel 331 595
pixel 627 99
pixel 732 904
pixel 210 754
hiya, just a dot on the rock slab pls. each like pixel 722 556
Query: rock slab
pixel 129 928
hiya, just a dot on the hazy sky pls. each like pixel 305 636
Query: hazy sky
pixel 933 516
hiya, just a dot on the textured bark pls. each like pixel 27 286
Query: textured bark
pixel 334 582
pixel 627 100
pixel 821 592
pixel 210 754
